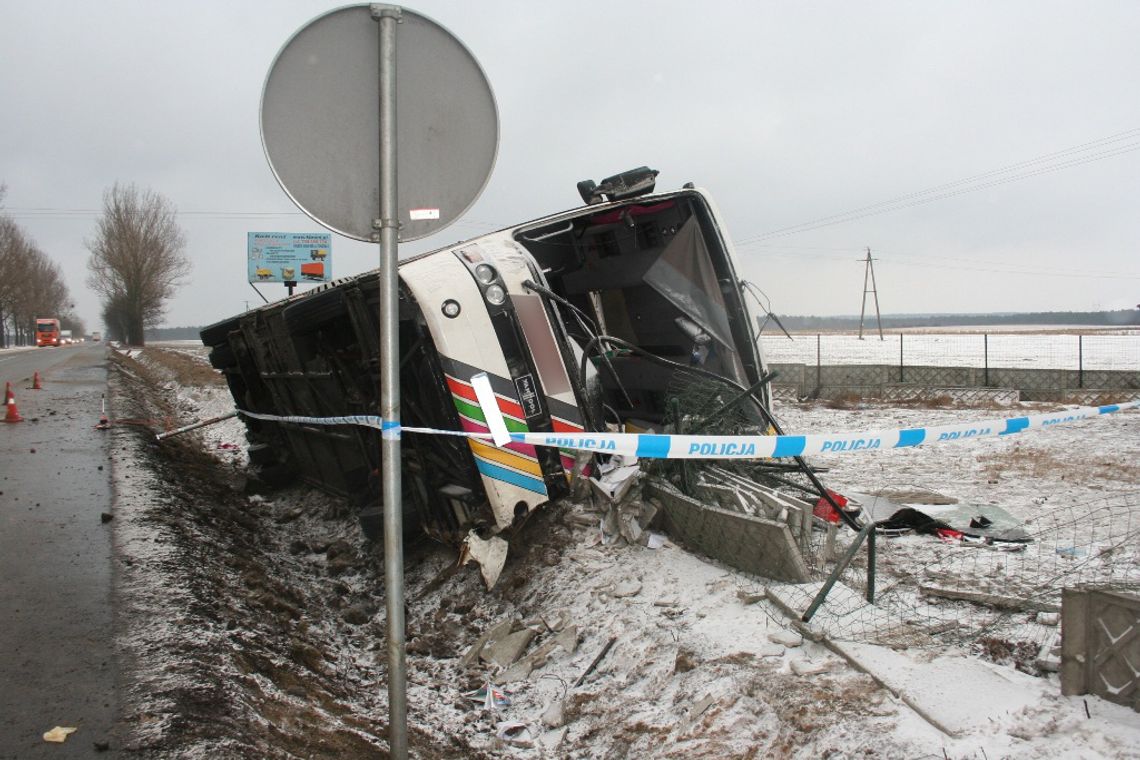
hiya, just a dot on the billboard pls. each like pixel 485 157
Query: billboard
pixel 289 257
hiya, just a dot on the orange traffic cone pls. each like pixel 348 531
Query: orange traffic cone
pixel 13 414
pixel 36 382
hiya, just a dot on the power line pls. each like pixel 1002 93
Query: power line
pixel 982 265
pixel 1129 134
pixel 998 269
pixel 1026 272
pixel 931 199
pixel 1040 165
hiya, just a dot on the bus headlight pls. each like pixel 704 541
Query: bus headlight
pixel 495 295
pixel 485 274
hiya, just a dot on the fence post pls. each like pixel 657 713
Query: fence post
pixel 902 370
pixel 986 359
pixel 818 364
pixel 840 566
pixel 1080 361
pixel 871 565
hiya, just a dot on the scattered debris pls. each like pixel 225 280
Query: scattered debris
pixel 489 698
pixel 499 630
pixel 489 554
pixel 509 648
pixel 770 650
pixel 785 638
pixel 626 588
pixel 567 640
pixel 554 716
pixel 700 707
pixel 515 733
pixel 594 664
pixel 557 620
pixel 811 667
pixel 751 597
pixel 1049 656
pixel 616 477
pixel 59 734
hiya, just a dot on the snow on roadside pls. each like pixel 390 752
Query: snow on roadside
pixel 701 665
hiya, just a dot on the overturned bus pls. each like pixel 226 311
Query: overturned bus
pixel 586 320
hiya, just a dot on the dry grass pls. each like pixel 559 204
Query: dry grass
pixel 188 369
pixel 844 401
pixel 930 402
pixel 914 496
pixel 1027 462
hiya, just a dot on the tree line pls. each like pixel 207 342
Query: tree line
pixel 31 285
pixel 137 260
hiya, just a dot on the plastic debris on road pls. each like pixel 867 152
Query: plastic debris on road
pixel 59 734
pixel 490 697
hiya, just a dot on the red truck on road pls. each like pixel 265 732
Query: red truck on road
pixel 47 331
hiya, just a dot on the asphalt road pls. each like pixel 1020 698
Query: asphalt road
pixel 57 661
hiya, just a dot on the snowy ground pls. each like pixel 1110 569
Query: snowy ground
pixel 256 618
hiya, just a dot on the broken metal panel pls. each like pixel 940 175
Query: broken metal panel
pixel 753 544
pixel 737 493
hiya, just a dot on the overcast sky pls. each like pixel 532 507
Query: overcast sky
pixel 849 114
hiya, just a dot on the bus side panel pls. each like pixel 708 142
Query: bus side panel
pixel 467 344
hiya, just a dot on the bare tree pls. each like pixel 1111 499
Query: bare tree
pixel 137 260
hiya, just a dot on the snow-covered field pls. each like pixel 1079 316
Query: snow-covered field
pixel 1117 349
pixel 698 662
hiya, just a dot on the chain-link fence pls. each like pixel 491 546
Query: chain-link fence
pixel 1001 596
pixel 1033 362
pixel 980 350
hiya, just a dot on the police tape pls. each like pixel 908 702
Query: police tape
pixel 655 446
pixel 387 428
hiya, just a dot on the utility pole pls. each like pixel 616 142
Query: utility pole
pixel 869 270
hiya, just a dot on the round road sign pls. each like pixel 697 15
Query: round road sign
pixel 320 123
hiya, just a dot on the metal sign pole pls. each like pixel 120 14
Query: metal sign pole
pixel 335 64
pixel 387 225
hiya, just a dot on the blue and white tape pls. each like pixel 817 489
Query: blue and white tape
pixel 778 446
pixel 649 446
